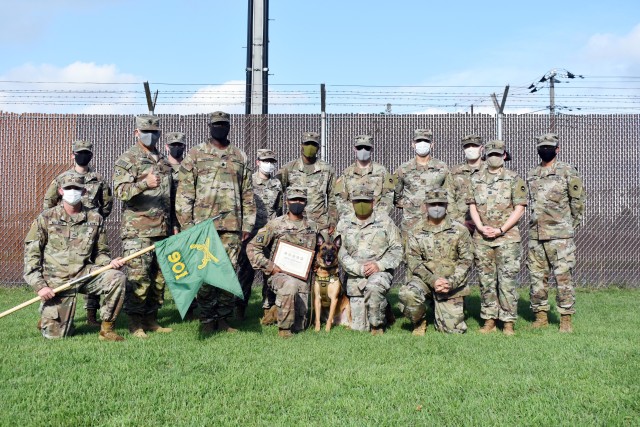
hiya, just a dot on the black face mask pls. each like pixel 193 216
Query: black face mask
pixel 547 153
pixel 83 157
pixel 176 151
pixel 296 208
pixel 220 133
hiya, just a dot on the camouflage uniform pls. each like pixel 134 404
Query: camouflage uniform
pixel 318 178
pixel 461 182
pixel 145 220
pixel 61 247
pixel 217 182
pixel 498 260
pixel 374 177
pixel 175 138
pixel 557 200
pixel 434 251
pixel 375 239
pixel 292 294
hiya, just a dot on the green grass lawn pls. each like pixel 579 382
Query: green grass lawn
pixel 591 377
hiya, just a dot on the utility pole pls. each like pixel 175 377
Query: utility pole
pixel 323 122
pixel 151 103
pixel 257 92
pixel 552 101
pixel 500 110
pixel 551 77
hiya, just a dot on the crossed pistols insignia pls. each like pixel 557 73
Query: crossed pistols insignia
pixel 206 254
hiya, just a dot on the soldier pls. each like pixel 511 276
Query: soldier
pixel 371 249
pixel 175 148
pixel 497 201
pixel 97 196
pixel 461 178
pixel 365 172
pixel 318 177
pixel 142 180
pixel 64 243
pixel 557 206
pixel 292 294
pixel 267 194
pixel 215 179
pixel 440 254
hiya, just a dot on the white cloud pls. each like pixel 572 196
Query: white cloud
pixel 615 47
pixel 228 97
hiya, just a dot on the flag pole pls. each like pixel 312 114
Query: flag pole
pixel 75 281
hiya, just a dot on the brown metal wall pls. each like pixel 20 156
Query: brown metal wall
pixel 34 148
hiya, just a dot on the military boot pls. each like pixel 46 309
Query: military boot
pixel 150 323
pixel 92 320
pixel 565 323
pixel 542 321
pixel 285 333
pixel 507 329
pixel 377 331
pixel 224 326
pixel 135 326
pixel 488 327
pixel 419 329
pixel 240 312
pixel 270 316
pixel 208 328
pixel 107 333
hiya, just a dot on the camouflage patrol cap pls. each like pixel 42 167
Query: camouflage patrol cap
pixel 147 122
pixel 471 140
pixel 495 146
pixel 364 141
pixel 81 145
pixel 436 195
pixel 266 154
pixel 219 116
pixel 361 194
pixel 176 138
pixel 419 134
pixel 72 180
pixel 311 137
pixel 547 139
pixel 296 193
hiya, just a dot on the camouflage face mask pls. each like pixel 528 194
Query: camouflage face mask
pixel 363 209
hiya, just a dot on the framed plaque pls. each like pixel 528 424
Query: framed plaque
pixel 293 259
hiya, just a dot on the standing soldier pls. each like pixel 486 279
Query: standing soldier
pixel 216 180
pixel 497 201
pixel 175 148
pixel 365 172
pixel 439 255
pixel 292 294
pixel 557 206
pixel 371 249
pixel 97 196
pixel 267 194
pixel 142 180
pixel 461 178
pixel 64 243
pixel 318 177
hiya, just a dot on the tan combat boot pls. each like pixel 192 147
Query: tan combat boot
pixel 285 333
pixel 107 333
pixel 377 331
pixel 542 321
pixel 270 316
pixel 419 329
pixel 224 327
pixel 135 326
pixel 565 323
pixel 150 323
pixel 488 327
pixel 92 320
pixel 507 329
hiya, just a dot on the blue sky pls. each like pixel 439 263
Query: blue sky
pixel 451 45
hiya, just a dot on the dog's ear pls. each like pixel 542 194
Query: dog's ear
pixel 337 241
pixel 319 240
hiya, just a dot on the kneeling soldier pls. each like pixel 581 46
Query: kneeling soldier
pixel 66 242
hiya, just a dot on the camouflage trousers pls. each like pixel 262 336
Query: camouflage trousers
pixel 557 256
pixel 497 270
pixel 448 313
pixel 292 300
pixel 56 315
pixel 368 299
pixel 145 282
pixel 216 303
pixel 92 302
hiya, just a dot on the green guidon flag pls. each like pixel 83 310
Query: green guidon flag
pixel 194 257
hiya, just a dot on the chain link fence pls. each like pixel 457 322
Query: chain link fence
pixel 34 148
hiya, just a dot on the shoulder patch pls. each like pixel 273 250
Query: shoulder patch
pixel 123 164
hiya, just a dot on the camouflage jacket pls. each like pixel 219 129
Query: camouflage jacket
pixel 98 196
pixel 267 194
pixel 461 182
pixel 318 179
pixel 302 233
pixel 444 250
pixel 495 197
pixel 175 169
pixel 413 181
pixel 61 247
pixel 557 200
pixel 213 182
pixel 145 211
pixel 374 177
pixel 375 239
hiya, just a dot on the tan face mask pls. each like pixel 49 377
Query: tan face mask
pixel 363 208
